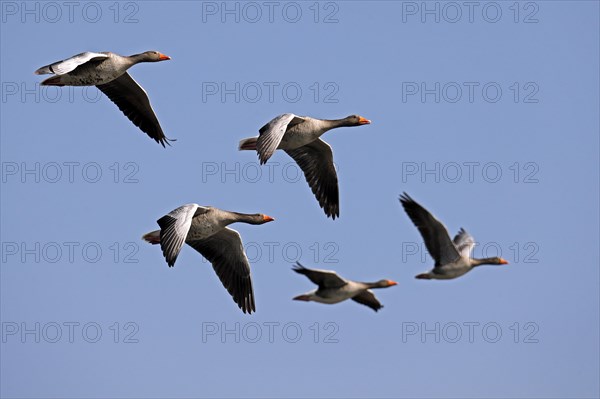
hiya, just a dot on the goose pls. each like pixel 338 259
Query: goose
pixel 452 257
pixel 204 228
pixel 108 72
pixel 334 289
pixel 299 136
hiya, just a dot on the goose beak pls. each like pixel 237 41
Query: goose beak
pixel 503 261
pixel 363 121
pixel 267 218
pixel 163 57
pixel 390 283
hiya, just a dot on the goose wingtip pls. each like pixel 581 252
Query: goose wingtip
pixel 298 267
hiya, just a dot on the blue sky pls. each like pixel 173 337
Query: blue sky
pixel 488 116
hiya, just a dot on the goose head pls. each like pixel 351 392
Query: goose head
pixel 357 120
pixel 154 56
pixel 385 283
pixel 489 261
pixel 260 218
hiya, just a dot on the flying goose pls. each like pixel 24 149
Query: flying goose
pixel 299 137
pixel 334 289
pixel 452 257
pixel 204 229
pixel 108 72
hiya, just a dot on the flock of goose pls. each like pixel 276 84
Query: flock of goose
pixel 205 228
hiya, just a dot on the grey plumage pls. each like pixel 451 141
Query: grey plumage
pixel 108 72
pixel 204 229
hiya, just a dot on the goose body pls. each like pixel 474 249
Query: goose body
pixel 205 229
pixel 299 131
pixel 334 289
pixel 452 256
pixel 449 271
pixel 108 72
pixel 336 295
pixel 299 137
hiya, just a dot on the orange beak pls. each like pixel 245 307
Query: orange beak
pixel 503 261
pixel 163 57
pixel 267 218
pixel 390 283
pixel 363 121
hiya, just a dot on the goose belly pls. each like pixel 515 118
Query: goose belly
pixel 451 271
pixel 203 227
pixel 331 296
pixel 94 75
pixel 295 138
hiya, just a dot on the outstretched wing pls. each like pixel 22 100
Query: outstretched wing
pixel 367 298
pixel 316 161
pixel 133 101
pixel 272 133
pixel 322 278
pixel 435 235
pixel 224 250
pixel 66 66
pixel 464 243
pixel 174 228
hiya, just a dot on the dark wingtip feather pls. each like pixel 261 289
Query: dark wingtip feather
pixel 332 211
pixel 299 268
pixel 410 205
pixel 405 198
pixel 263 159
pixel 163 140
pixel 165 221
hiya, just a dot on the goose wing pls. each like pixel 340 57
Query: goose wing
pixel 322 278
pixel 369 299
pixel 133 101
pixel 316 161
pixel 464 243
pixel 272 133
pixel 224 250
pixel 435 235
pixel 68 65
pixel 174 228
